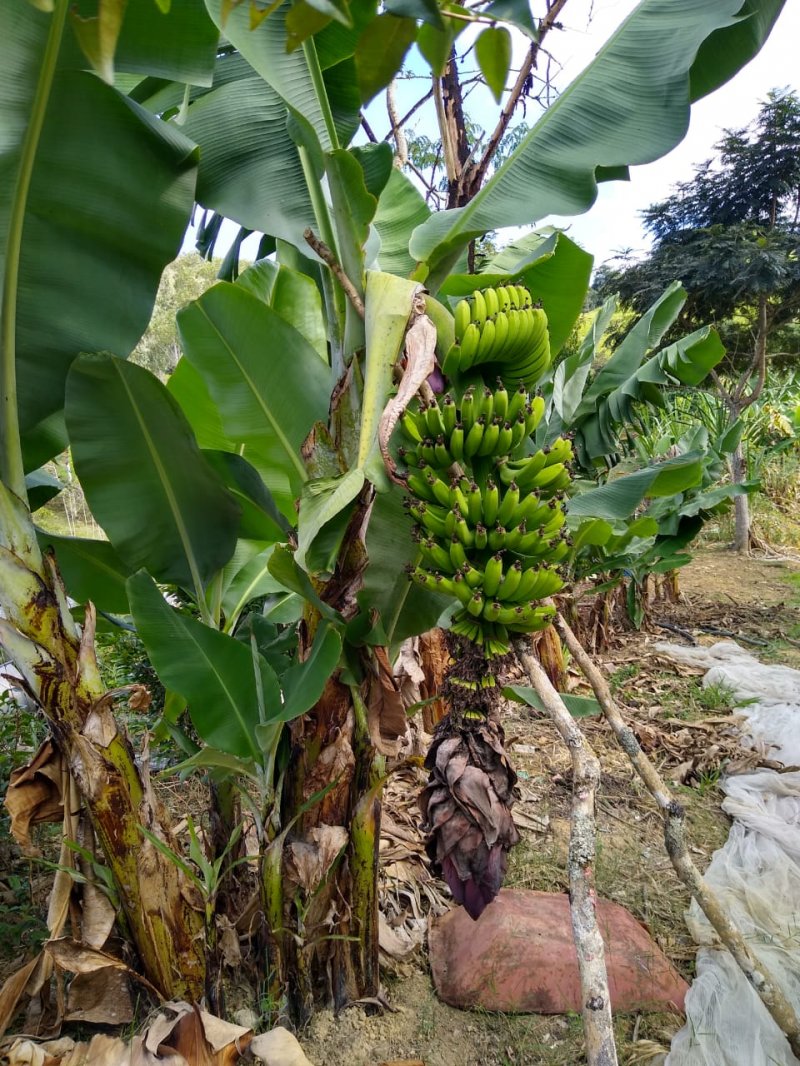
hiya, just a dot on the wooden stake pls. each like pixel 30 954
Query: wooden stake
pixel 595 999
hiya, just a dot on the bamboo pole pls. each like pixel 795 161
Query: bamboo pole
pixel 757 975
pixel 595 999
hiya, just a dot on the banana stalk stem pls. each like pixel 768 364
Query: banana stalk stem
pixel 673 813
pixel 596 1002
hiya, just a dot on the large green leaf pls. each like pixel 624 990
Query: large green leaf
pixel 160 502
pixel 293 295
pixel 260 517
pixel 265 50
pixel 630 106
pixel 214 672
pixel 104 170
pixel 266 380
pixel 250 170
pixel 620 497
pixel 401 208
pixel 91 570
pixel 626 378
pixel 578 706
pixel 639 340
pixel 322 502
pixel 179 43
pixel 304 682
pixel 404 608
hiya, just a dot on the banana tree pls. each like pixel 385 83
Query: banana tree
pixel 259 475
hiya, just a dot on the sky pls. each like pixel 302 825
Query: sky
pixel 613 224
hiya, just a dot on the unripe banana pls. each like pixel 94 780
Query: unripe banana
pixel 473 439
pixel 474 503
pixel 468 348
pixel 458 500
pixel 560 451
pixel 410 427
pixel 537 406
pixel 441 453
pixel 463 532
pixel 501 401
pixel 501 329
pixel 504 439
pixel 503 298
pixel 481 536
pixel 517 403
pixel 461 317
pixel 475 605
pixel 434 420
pixel 478 310
pixel 456 443
pixel 487 404
pixel 440 491
pixel 449 414
pixel 509 505
pixel 472 576
pixel 434 554
pixel 497 538
pixel 491 502
pixel 490 437
pixel 468 412
pixel 420 488
pixel 456 554
pixel 462 590
pixel 491 610
pixel 510 582
pixel 492 575
pixel 513 295
pixel 486 343
pixel 492 301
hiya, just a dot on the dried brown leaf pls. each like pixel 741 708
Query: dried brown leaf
pixel 34 795
pixel 420 364
pixel 100 998
pixel 12 991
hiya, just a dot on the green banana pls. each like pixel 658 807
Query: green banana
pixel 493 575
pixel 491 502
pixel 479 311
pixel 509 505
pixel 461 317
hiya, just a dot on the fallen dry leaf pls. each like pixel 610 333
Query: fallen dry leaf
pixel 278 1047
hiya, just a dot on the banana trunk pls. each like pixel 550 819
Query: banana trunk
pixel 59 667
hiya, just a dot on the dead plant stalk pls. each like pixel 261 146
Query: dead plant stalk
pixel 595 999
pixel 758 976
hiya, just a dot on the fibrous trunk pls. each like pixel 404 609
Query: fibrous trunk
pixel 60 670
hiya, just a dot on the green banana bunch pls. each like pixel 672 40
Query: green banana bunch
pixel 500 326
pixel 489 521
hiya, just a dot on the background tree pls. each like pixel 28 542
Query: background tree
pixel 731 235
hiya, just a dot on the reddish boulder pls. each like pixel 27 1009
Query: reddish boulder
pixel 519 956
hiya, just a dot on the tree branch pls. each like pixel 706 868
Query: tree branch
pixel 596 1002
pixel 327 256
pixel 368 129
pixel 753 969
pixel 478 172
pixel 401 144
pixel 411 112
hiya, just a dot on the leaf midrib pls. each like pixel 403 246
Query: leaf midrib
pixel 172 501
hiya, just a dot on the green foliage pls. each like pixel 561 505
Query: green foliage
pixel 730 235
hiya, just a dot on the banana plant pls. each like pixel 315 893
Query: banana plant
pixel 254 487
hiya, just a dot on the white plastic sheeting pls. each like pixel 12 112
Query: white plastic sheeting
pixel 756 873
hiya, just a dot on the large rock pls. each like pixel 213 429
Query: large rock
pixel 519 956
